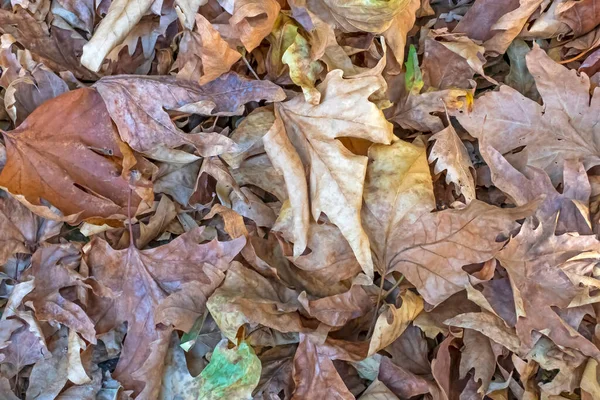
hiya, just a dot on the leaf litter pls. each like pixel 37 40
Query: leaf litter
pixel 299 199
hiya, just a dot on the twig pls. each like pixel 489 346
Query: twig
pixel 250 67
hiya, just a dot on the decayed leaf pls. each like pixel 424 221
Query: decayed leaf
pixel 452 156
pixel 69 163
pixel 443 68
pixel 315 375
pixel 336 175
pixel 146 293
pixel 533 260
pixel 581 16
pixel 137 106
pixel 276 373
pixel 203 54
pixel 231 373
pixel 561 130
pixel 49 375
pixel 176 379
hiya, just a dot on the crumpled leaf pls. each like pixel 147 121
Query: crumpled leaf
pixel 248 298
pixel 231 373
pixel 147 293
pixel 562 129
pixel 122 16
pixel 312 130
pixel 57 48
pixel 450 154
pixel 251 20
pixel 146 98
pixel 315 375
pixel 203 54
pixel 55 266
pixel 303 71
pixel 21 229
pixel 68 164
pixel 535 260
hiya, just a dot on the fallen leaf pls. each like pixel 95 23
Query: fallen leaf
pixel 147 98
pixel 163 293
pixel 561 130
pixel 337 310
pixel 315 374
pixel 315 141
pixel 239 366
pixel 450 154
pixel 203 54
pixel 68 165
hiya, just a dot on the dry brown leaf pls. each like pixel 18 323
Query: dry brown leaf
pixel 75 166
pixel 315 375
pixel 337 310
pixel 335 173
pixel 562 129
pixel 251 20
pixel 541 289
pixel 138 107
pixel 452 156
pixel 203 54
pixel 149 289
pixel 122 16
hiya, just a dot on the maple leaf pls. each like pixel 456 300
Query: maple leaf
pixel 563 129
pixel 307 136
pixel 76 165
pixel 147 293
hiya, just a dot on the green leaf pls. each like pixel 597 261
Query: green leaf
pixel 231 373
pixel 413 78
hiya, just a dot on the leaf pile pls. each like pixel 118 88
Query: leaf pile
pixel 299 199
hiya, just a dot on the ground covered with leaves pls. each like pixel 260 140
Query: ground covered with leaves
pixel 299 199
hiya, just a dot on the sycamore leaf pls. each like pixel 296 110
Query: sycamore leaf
pixel 392 322
pixel 203 54
pixel 151 287
pixel 336 175
pixel 137 106
pixel 76 165
pixel 519 77
pixel 564 128
pixel 315 375
pixel 303 71
pixel 450 154
pixel 396 32
pixel 580 16
pixel 276 374
pixel 430 249
pixel 541 288
pixel 122 16
pixel 337 310
pixel 186 11
pixel 251 20
pixel 231 374
pixel 248 298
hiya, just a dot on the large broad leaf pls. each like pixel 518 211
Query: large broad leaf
pixel 138 104
pixel 307 138
pixel 154 290
pixel 430 249
pixel 565 128
pixel 68 153
pixel 544 283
